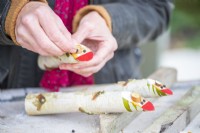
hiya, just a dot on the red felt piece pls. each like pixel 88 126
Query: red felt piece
pixel 167 91
pixel 148 106
pixel 85 57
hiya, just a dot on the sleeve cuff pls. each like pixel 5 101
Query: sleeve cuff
pixel 85 10
pixel 15 8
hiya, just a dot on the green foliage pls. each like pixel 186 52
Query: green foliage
pixel 185 23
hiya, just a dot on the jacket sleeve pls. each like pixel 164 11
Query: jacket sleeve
pixel 4 7
pixel 9 10
pixel 137 21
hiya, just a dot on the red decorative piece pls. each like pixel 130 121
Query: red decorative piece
pixel 167 91
pixel 148 106
pixel 85 57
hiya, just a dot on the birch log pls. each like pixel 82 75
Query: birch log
pixel 49 62
pixel 147 88
pixel 91 103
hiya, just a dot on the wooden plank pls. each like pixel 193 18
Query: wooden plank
pixel 12 94
pixel 194 126
pixel 114 123
pixel 34 90
pixel 177 117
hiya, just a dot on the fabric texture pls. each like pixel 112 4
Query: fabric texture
pixel 137 22
pixel 52 80
pixel 4 8
pixel 11 18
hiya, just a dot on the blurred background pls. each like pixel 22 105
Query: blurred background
pixel 180 46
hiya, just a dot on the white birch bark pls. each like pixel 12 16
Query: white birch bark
pixel 45 62
pixel 145 87
pixel 90 103
pixel 49 62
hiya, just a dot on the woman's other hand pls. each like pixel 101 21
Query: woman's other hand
pixel 95 34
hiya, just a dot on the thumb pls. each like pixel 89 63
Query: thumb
pixel 83 31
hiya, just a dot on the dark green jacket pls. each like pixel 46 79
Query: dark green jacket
pixel 133 22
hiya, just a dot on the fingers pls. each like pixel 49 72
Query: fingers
pixel 44 34
pixel 87 68
pixel 85 71
pixel 83 31
pixel 94 33
pixel 104 50
pixel 57 32
pixel 60 25
pixel 25 43
pixel 38 41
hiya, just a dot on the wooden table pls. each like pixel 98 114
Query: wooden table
pixel 177 113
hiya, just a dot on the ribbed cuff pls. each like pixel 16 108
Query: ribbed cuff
pixel 15 8
pixel 85 10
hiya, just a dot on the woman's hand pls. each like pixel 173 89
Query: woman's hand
pixel 94 33
pixel 40 30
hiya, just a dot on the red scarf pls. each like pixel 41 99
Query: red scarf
pixel 52 80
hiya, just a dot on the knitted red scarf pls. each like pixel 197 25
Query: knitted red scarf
pixel 52 80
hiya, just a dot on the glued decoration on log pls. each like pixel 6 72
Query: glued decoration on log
pixel 145 87
pixel 82 53
pixel 136 97
pixel 160 88
pixel 134 100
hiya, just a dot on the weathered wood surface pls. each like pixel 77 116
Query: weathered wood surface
pixel 178 116
pixel 13 117
pixel 194 126
pixel 115 122
pixel 145 120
